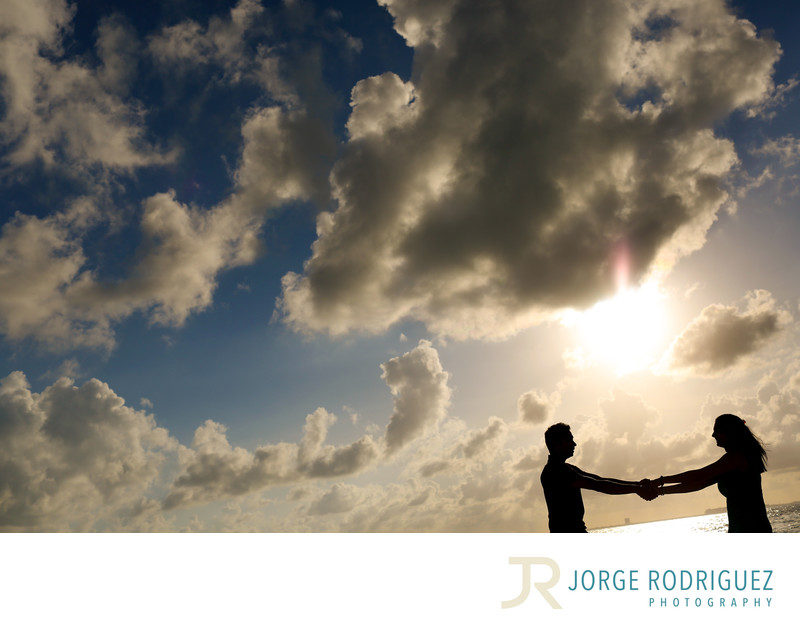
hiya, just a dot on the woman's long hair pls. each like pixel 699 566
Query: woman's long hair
pixel 742 439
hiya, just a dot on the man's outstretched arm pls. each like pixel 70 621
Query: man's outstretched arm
pixel 610 486
pixel 597 477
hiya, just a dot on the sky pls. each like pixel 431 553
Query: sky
pixel 318 266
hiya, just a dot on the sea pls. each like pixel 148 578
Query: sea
pixel 783 517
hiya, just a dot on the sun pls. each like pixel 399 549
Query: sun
pixel 625 331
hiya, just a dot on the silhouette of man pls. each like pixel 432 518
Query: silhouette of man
pixel 562 482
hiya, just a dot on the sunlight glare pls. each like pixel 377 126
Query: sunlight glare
pixel 626 330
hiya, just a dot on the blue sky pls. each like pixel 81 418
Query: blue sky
pixel 334 265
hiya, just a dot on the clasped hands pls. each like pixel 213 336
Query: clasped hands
pixel 649 489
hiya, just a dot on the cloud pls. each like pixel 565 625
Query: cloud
pixel 500 490
pixel 284 158
pixel 461 451
pixel 482 441
pixel 53 291
pixel 786 149
pixel 63 111
pixel 420 22
pixel 434 467
pixel 380 104
pixel 535 407
pixel 69 368
pixel 628 439
pixel 75 458
pixel 772 411
pixel 628 415
pixel 279 49
pixel 184 249
pixel 188 44
pixel 481 197
pixel 41 261
pixel 314 434
pixel 341 498
pixel 118 48
pixel 53 295
pixel 723 337
pixel 214 469
pixel 535 138
pixel 482 502
pixel 79 458
pixel 421 394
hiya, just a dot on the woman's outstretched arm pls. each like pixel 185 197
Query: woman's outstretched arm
pixel 696 479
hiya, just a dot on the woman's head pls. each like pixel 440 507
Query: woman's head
pixel 732 434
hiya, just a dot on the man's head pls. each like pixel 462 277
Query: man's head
pixel 559 440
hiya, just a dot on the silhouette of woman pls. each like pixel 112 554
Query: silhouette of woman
pixel 737 475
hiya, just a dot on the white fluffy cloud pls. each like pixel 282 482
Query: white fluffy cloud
pixel 723 336
pixel 540 137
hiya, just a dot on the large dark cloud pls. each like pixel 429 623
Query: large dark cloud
pixel 486 192
pixel 534 140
